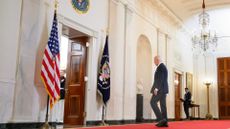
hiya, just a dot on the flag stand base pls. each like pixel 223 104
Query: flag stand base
pixel 103 117
pixel 104 124
pixel 46 126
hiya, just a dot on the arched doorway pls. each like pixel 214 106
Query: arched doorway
pixel 144 74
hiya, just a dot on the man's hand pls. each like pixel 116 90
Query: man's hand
pixel 155 91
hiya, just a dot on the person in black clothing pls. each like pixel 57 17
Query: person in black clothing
pixel 187 102
pixel 62 88
pixel 159 92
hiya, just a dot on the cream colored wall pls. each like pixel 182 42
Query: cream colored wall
pixel 219 19
pixel 29 103
pixel 144 72
pixel 142 21
pixel 9 39
pixel 128 20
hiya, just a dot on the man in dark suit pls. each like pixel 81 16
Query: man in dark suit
pixel 159 91
pixel 187 102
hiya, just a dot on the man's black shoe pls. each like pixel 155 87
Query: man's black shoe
pixel 162 123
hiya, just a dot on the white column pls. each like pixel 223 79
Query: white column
pixel 129 93
pixel 10 11
pixel 116 46
pixel 25 89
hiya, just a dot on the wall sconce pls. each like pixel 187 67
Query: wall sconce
pixel 176 82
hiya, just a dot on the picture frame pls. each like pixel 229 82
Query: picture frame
pixel 189 81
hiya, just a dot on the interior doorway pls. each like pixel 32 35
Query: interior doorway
pixel 223 65
pixel 73 70
pixel 177 85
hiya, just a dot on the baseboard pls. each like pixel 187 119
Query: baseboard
pixel 37 125
pixel 32 125
pixel 119 122
pixel 111 122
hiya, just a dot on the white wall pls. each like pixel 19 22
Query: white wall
pixel 219 19
pixel 30 96
pixel 127 23
pixel 9 38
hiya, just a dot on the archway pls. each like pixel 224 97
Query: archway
pixel 144 74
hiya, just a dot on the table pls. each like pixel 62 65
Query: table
pixel 194 107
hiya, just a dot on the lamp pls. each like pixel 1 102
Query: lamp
pixel 205 40
pixel 208 115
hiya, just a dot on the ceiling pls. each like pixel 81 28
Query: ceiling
pixel 184 9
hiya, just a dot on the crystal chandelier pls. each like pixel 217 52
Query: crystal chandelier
pixel 205 40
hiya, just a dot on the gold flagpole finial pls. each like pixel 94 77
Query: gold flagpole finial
pixel 55 4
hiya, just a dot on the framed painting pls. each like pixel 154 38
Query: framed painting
pixel 189 81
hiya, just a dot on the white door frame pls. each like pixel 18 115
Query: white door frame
pixel 91 49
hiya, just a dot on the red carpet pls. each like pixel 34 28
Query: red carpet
pixel 174 125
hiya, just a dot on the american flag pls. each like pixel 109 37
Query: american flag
pixel 50 73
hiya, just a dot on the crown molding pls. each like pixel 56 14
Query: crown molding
pixel 163 11
pixel 168 12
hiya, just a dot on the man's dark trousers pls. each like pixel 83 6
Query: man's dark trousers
pixel 160 114
pixel 186 109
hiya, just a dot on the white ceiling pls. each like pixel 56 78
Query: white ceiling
pixel 183 9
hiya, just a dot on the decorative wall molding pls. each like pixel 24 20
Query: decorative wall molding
pixel 134 10
pixel 171 15
pixel 175 20
pixel 77 26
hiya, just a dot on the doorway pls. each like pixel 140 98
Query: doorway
pixel 177 84
pixel 73 68
pixel 223 65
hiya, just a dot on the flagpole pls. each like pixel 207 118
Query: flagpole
pixel 46 125
pixel 103 115
pixel 104 107
pixel 47 108
pixel 103 123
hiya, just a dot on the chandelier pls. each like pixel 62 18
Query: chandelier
pixel 205 40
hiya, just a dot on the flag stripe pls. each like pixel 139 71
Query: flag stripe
pixel 47 85
pixel 51 85
pixel 47 70
pixel 49 59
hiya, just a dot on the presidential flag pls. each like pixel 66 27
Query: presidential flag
pixel 103 81
pixel 50 73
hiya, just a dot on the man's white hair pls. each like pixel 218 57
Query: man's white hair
pixel 158 58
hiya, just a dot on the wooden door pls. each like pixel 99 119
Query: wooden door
pixel 75 92
pixel 223 65
pixel 177 83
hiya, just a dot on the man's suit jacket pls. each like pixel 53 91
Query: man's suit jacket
pixel 187 98
pixel 161 79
